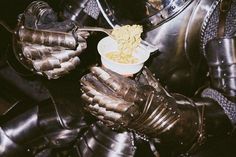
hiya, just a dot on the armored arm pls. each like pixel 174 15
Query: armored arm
pixel 48 43
pixel 177 122
pixel 39 38
pixel 46 125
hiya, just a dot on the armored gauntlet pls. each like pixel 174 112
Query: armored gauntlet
pixel 145 107
pixel 46 46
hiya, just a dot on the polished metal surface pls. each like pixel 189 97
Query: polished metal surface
pixel 49 47
pixel 173 120
pixel 39 127
pixel 185 57
pixel 47 38
pixel 103 142
pixel 170 39
pixel 73 8
pixel 8 147
pixel 150 15
pixel 154 121
pixel 196 28
pixel 158 114
pixel 223 65
pixel 39 9
pixel 77 10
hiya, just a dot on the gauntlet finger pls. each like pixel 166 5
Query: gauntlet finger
pixel 111 109
pixel 108 115
pixel 89 91
pixel 103 115
pixel 39 52
pixel 80 39
pixel 100 117
pixel 126 92
pixel 94 109
pixel 113 118
pixel 112 104
pixel 48 38
pixel 34 52
pixel 108 102
pixel 120 79
pixel 47 64
pixel 64 68
pixel 83 34
pixel 126 109
pixel 92 81
pixel 124 87
pixel 87 98
pixel 106 78
pixel 106 122
pixel 82 45
pixel 92 96
pixel 66 55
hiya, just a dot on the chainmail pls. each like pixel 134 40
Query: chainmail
pixel 228 106
pixel 210 24
pixel 92 9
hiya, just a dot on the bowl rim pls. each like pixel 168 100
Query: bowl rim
pixel 110 38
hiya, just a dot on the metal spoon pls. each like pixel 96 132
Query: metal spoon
pixel 95 29
pixel 149 47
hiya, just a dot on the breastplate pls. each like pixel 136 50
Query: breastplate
pixel 179 62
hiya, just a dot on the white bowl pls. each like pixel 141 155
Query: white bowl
pixel 108 44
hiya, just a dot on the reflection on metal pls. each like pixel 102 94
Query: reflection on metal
pixel 223 65
pixel 154 14
pixel 103 142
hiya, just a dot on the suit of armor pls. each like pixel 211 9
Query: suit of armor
pixel 189 99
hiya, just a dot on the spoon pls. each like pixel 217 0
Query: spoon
pixel 147 46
